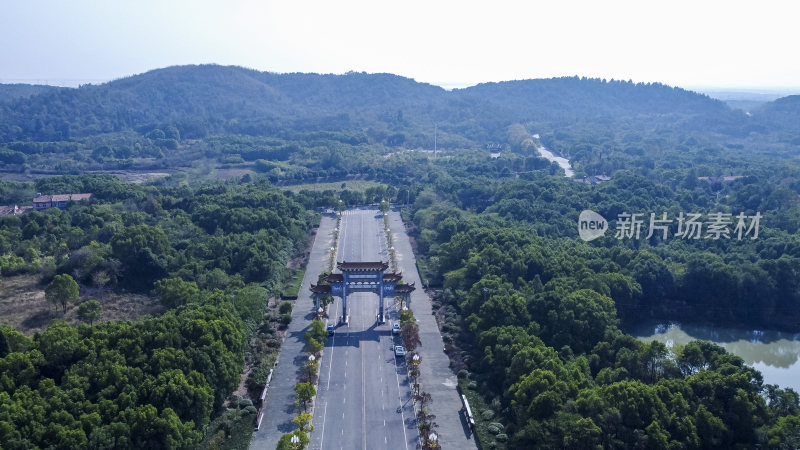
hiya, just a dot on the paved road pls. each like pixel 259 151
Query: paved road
pixel 363 399
pixel 361 383
pixel 279 408
pixel 436 378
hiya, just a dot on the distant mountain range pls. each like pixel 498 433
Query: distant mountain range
pixel 209 99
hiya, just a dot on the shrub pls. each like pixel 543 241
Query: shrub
pixel 497 425
pixel 502 437
pixel 406 316
pixel 285 308
pixel 493 429
pixel 488 414
pixel 257 379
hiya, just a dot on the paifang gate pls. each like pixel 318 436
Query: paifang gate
pixel 367 276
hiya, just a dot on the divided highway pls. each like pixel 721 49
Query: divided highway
pixel 363 398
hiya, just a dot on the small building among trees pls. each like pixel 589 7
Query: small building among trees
pixel 42 202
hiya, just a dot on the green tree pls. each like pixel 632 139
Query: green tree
pixel 304 392
pixel 303 422
pixel 90 311
pixel 4 347
pixel 175 292
pixel 785 434
pixel 187 394
pixel 317 331
pixel 62 290
pixel 313 346
pixel 582 433
pixel 285 442
pixel 142 250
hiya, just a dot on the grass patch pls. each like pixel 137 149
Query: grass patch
pixel 478 405
pixel 292 282
pixel 336 186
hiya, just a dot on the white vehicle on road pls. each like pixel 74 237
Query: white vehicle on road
pixel 396 328
pixel 399 351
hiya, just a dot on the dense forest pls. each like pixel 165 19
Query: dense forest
pixel 533 317
pixel 157 382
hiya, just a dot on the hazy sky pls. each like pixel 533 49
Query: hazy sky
pixel 451 43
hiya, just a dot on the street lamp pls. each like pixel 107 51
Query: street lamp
pixel 415 371
pixel 311 359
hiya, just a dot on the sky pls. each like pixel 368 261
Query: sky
pixel 693 44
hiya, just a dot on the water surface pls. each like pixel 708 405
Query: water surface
pixel 775 354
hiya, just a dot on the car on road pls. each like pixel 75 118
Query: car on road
pixel 396 328
pixel 399 351
pixel 331 330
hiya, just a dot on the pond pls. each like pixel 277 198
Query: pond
pixel 775 354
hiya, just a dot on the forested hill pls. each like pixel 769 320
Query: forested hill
pixel 208 99
pixel 9 92
pixel 587 97
pixel 783 114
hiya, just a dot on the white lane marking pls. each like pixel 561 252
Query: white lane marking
pixel 399 397
pixel 363 384
pixel 327 388
pixel 324 415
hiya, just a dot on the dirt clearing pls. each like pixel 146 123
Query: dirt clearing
pixel 23 306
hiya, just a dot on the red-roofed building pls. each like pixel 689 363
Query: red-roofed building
pixel 42 202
